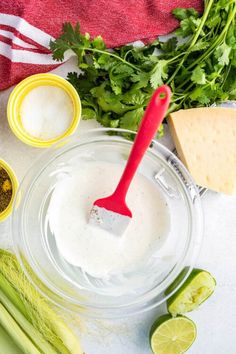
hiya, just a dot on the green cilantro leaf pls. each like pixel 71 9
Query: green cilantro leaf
pixel 187 26
pixel 98 43
pixel 182 14
pixel 200 45
pixel 170 45
pixel 107 120
pixel 132 119
pixel 88 113
pixel 159 73
pixel 198 76
pixel 204 99
pixel 160 132
pixel 141 80
pixel 222 54
pixel 137 98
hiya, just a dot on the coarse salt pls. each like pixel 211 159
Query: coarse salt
pixel 46 112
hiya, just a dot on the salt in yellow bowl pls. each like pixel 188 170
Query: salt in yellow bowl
pixel 14 182
pixel 19 93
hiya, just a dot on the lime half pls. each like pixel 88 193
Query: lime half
pixel 196 289
pixel 172 335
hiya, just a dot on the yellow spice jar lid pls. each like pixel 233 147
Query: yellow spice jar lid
pixel 14 185
pixel 20 92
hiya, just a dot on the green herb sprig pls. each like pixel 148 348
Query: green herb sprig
pixel 198 62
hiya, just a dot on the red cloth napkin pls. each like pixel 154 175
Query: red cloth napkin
pixel 26 27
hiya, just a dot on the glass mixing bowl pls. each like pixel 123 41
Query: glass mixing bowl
pixel 68 286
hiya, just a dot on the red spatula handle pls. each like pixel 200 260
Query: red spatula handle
pixel 150 123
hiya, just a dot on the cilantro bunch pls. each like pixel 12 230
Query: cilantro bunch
pixel 198 62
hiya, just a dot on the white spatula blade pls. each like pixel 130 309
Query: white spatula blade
pixel 108 220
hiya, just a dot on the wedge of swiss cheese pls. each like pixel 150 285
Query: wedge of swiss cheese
pixel 205 139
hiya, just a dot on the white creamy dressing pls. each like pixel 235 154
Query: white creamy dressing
pixel 46 112
pixel 95 250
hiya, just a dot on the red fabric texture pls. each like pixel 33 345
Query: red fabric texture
pixel 117 21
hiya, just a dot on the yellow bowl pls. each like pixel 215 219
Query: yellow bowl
pixel 22 89
pixel 14 182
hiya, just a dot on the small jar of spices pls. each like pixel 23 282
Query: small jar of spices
pixel 8 188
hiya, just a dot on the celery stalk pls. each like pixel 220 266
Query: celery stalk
pixel 12 327
pixel 7 345
pixel 27 327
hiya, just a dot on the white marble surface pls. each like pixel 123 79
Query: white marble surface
pixel 216 319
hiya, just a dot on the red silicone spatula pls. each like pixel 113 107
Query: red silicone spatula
pixel 112 213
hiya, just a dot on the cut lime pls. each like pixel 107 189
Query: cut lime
pixel 196 289
pixel 172 335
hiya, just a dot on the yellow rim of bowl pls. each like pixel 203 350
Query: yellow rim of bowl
pixel 18 95
pixel 14 182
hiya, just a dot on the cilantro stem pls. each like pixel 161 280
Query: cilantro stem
pixel 127 53
pixel 175 58
pixel 178 98
pixel 220 39
pixel 209 51
pixel 193 41
pixel 189 87
pixel 226 74
pixel 110 54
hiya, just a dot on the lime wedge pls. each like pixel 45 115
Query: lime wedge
pixel 172 335
pixel 196 289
